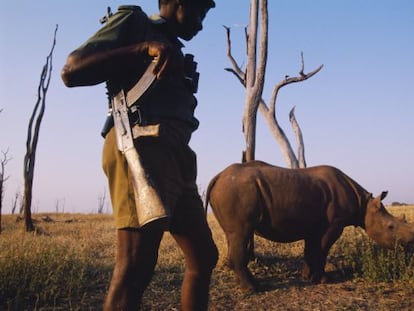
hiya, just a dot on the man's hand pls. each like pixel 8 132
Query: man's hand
pixel 169 61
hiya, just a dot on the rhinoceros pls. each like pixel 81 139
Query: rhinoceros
pixel 285 205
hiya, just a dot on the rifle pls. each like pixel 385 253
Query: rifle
pixel 147 201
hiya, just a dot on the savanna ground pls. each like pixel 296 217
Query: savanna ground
pixel 67 266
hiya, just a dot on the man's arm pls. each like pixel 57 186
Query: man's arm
pixel 83 68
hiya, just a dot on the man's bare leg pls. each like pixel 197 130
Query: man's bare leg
pixel 137 254
pixel 200 254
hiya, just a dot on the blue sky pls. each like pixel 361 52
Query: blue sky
pixel 356 114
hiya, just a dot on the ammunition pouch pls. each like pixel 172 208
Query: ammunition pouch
pixel 190 73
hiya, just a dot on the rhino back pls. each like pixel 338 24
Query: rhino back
pixel 304 202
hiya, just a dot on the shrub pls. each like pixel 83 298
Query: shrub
pixel 373 263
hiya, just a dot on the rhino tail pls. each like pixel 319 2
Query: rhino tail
pixel 208 191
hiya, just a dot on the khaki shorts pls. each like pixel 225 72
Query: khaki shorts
pixel 170 164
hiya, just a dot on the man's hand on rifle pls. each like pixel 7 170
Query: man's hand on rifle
pixel 169 62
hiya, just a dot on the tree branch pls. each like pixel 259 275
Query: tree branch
pixel 279 135
pixel 236 67
pixel 289 80
pixel 240 78
pixel 299 138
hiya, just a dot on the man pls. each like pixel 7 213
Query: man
pixel 118 54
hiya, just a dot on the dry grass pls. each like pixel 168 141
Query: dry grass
pixel 68 267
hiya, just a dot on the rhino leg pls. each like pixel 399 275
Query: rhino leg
pixel 238 257
pixel 314 261
pixel 250 248
pixel 316 252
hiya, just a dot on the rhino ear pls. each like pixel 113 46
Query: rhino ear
pixel 402 217
pixel 383 195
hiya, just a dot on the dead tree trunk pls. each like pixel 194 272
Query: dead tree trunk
pixel 32 139
pixel 255 73
pixel 17 200
pixel 101 202
pixel 3 178
pixel 268 112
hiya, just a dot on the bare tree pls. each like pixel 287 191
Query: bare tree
pixel 32 139
pixel 3 162
pixel 253 79
pixel 60 205
pixel 101 201
pixel 17 201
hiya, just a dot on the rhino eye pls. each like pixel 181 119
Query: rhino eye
pixel 391 226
